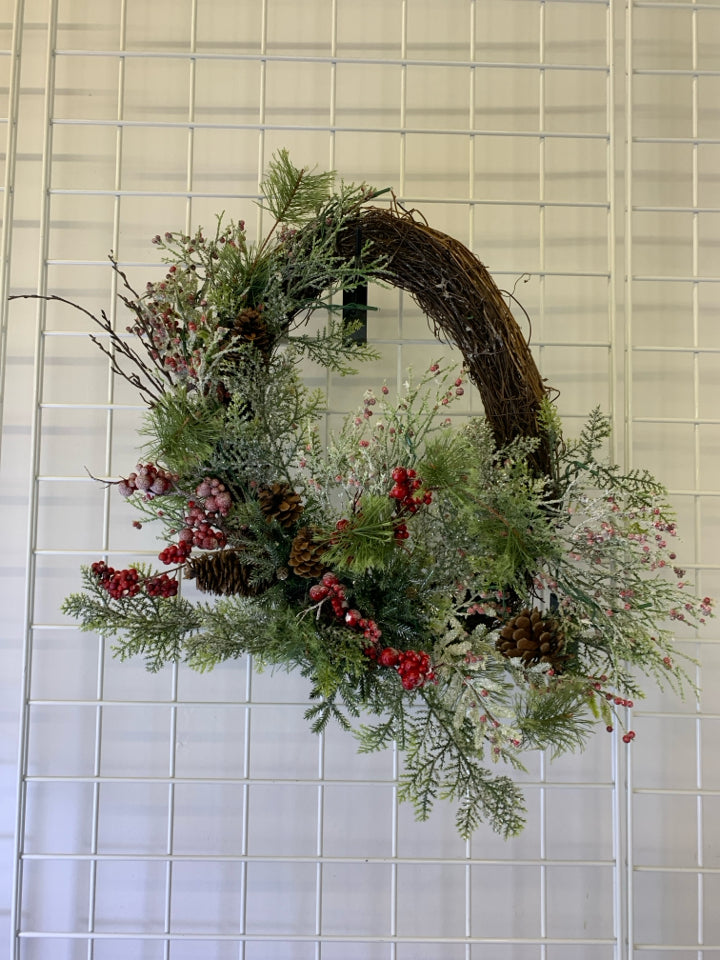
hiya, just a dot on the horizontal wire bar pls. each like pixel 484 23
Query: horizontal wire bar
pixel 659 868
pixel 674 72
pixel 679 278
pixel 679 209
pixel 200 195
pixel 321 858
pixel 676 791
pixel 286 938
pixel 675 948
pixel 88 406
pixel 280 781
pixel 130 551
pixel 699 421
pixel 693 141
pixel 699 713
pixel 330 128
pixel 157 702
pixel 656 348
pixel 678 5
pixel 334 60
pixel 602 344
pixel 52 627
pixel 598 274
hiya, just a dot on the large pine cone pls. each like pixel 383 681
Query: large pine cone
pixel 250 327
pixel 223 573
pixel 533 637
pixel 306 553
pixel 280 502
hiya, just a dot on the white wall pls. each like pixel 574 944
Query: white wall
pixel 184 816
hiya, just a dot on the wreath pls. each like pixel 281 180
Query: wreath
pixel 468 589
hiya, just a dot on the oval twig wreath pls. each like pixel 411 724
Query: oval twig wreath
pixel 471 591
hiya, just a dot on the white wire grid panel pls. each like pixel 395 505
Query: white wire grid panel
pixel 183 816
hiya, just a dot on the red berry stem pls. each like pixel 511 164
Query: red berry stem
pixel 128 583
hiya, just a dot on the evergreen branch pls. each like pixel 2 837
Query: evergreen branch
pixel 555 715
pixel 183 429
pixel 294 195
pixel 155 628
pixel 440 763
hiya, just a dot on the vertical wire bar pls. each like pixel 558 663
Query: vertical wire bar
pixel 8 196
pixel 401 172
pixel 175 670
pixel 170 836
pixel 97 759
pixel 617 806
pixel 262 105
pixel 628 366
pixel 262 116
pixel 541 305
pixel 33 493
pixel 109 426
pixel 541 176
pixel 394 853
pixel 543 856
pixel 471 244
pixel 319 846
pixel 399 375
pixel 333 85
pixel 471 125
pixel 320 826
pixel 9 191
pixel 696 453
pixel 192 67
pixel 628 436
pixel 611 194
pixel 245 811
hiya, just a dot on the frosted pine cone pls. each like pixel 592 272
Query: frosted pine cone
pixel 534 638
pixel 223 573
pixel 306 553
pixel 250 327
pixel 280 502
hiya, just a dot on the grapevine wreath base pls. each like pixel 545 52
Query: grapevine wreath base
pixel 473 590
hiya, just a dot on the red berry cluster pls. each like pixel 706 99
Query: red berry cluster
pixel 331 589
pixel 201 521
pixel 148 479
pixel 216 499
pixel 175 553
pixel 161 586
pixel 401 532
pixel 597 687
pixel 406 483
pixel 413 666
pixel 127 583
pixel 118 583
pixel 200 530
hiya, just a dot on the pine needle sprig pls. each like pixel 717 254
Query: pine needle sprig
pixel 184 430
pixel 554 716
pixel 294 195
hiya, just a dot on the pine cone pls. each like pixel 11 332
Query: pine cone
pixel 533 637
pixel 306 554
pixel 250 327
pixel 223 573
pixel 280 502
